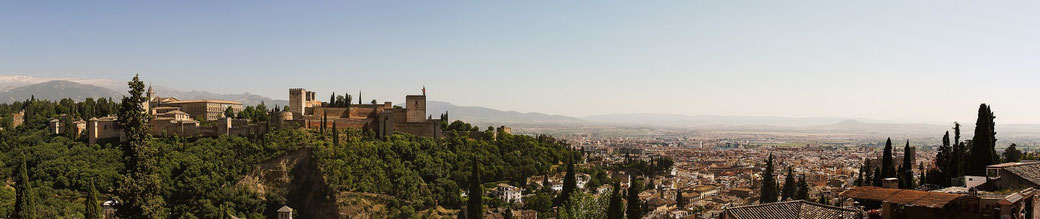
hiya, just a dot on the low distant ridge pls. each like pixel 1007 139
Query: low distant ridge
pixel 482 114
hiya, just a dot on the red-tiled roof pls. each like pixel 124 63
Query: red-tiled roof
pixel 792 209
pixel 902 196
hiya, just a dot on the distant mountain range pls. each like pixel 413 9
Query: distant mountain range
pixel 20 87
pixel 482 114
pixel 244 98
pixel 55 90
pixel 8 82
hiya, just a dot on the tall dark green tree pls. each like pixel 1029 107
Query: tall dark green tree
pixel 324 122
pixel 907 169
pixel 983 152
pixel 92 209
pixel 959 156
pixel 868 173
pixel 680 201
pixel 634 208
pixel 616 209
pixel 956 132
pixel 789 185
pixel 888 167
pixel 335 134
pixel 769 187
pixel 1012 154
pixel 569 184
pixel 877 179
pixel 140 189
pixel 25 197
pixel 546 186
pixel 474 208
pixel 332 99
pixel 859 177
pixel 803 189
pixel 347 99
pixel 943 157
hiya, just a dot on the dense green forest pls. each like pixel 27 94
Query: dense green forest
pixel 199 176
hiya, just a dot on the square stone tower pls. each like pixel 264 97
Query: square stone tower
pixel 415 106
pixel 297 98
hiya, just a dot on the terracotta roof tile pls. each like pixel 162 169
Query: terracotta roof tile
pixel 902 196
pixel 792 209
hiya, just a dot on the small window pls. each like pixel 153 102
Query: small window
pixel 993 173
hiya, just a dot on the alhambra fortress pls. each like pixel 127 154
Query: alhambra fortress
pixel 383 118
pixel 206 118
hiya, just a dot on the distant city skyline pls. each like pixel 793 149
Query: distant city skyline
pixel 894 61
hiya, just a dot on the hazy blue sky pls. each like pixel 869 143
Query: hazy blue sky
pixel 931 61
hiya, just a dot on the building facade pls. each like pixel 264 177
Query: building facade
pixel 382 118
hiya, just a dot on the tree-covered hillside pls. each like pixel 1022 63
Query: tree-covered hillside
pixel 200 177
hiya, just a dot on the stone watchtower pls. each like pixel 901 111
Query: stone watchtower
pixel 147 105
pixel 297 99
pixel 415 106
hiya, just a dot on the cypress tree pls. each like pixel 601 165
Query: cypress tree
pixel 346 102
pixel 324 122
pixel 634 209
pixel 332 99
pixel 859 177
pixel 956 161
pixel 982 152
pixel 569 184
pixel 474 208
pixel 140 187
pixel 868 174
pixel 956 132
pixel 335 134
pixel 888 168
pixel 92 208
pixel 877 179
pixel 616 210
pixel 803 189
pixel 789 186
pixel 959 156
pixel 25 198
pixel 546 186
pixel 908 167
pixel 943 158
pixel 769 187
pixel 680 201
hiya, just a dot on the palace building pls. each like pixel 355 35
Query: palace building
pixel 383 119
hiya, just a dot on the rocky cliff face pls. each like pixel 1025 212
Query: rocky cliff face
pixel 296 177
